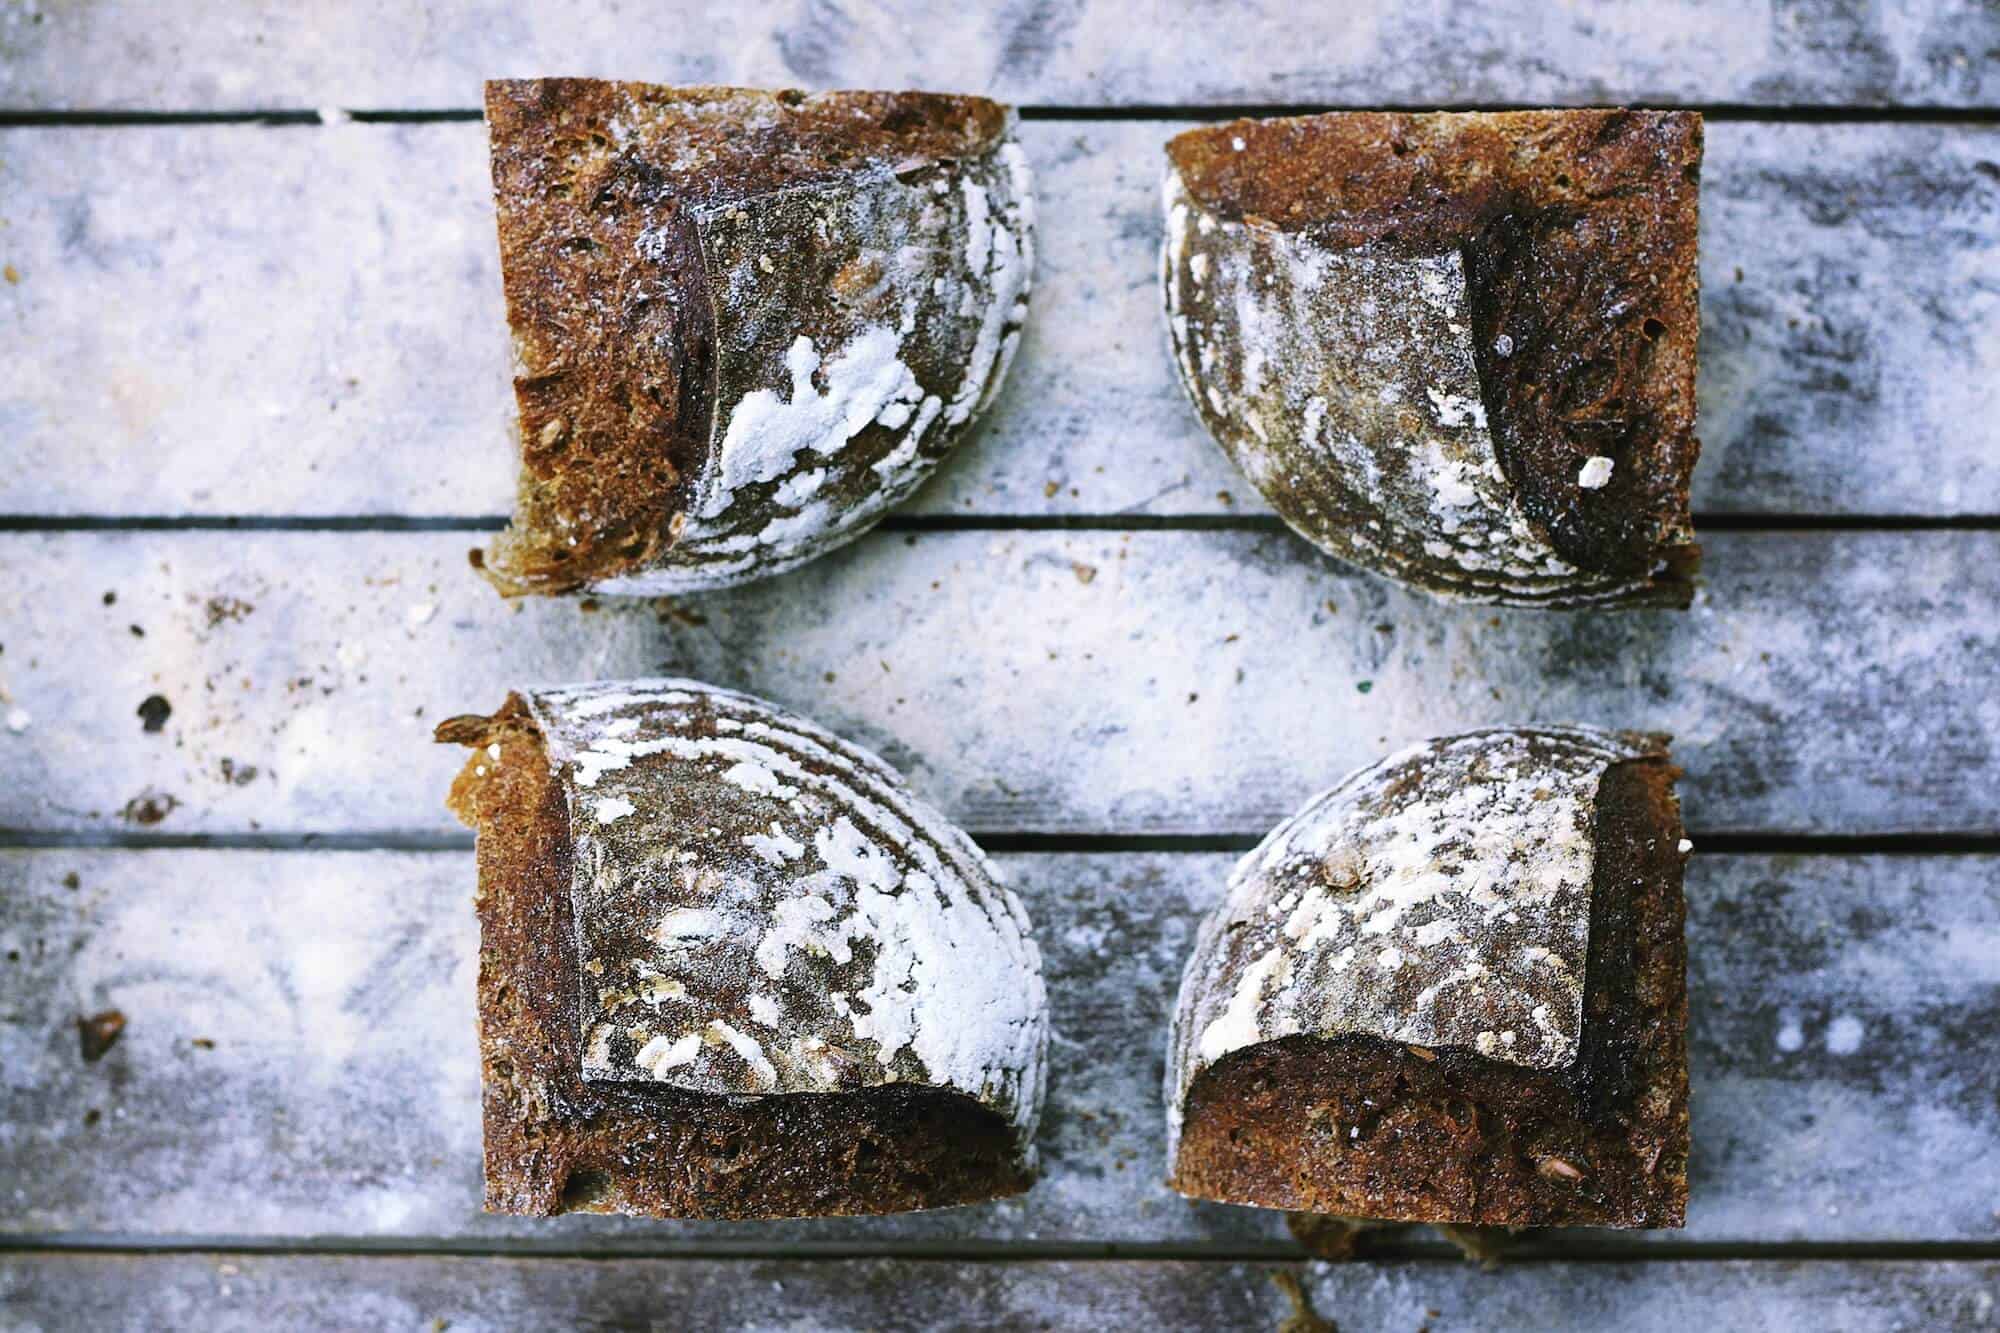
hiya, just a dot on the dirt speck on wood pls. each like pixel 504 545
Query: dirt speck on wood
pixel 220 609
pixel 154 711
pixel 150 807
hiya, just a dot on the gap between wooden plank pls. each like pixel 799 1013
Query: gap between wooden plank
pixel 1716 111
pixel 998 842
pixel 918 523
pixel 1571 1250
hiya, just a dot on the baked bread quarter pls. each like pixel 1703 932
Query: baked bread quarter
pixel 745 323
pixel 731 968
pixel 1454 349
pixel 1450 989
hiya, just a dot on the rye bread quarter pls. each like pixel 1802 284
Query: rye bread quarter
pixel 730 967
pixel 745 323
pixel 1450 989
pixel 1454 349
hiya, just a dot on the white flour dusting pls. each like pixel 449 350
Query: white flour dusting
pixel 1439 898
pixel 814 900
pixel 767 431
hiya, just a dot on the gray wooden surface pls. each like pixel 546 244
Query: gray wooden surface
pixel 353 361
pixel 224 1292
pixel 253 397
pixel 259 54
pixel 1047 681
pixel 1833 1000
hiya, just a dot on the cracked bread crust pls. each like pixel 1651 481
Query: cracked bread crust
pixel 745 323
pixel 1364 1127
pixel 1457 349
pixel 558 1140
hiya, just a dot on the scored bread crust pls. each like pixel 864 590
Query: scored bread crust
pixel 1455 349
pixel 745 323
pixel 1467 961
pixel 741 922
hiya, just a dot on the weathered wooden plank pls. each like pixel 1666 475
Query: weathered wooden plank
pixel 313 327
pixel 1837 1007
pixel 178 56
pixel 223 1292
pixel 1085 681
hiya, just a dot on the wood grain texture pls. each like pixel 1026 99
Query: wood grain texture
pixel 262 54
pixel 1097 682
pixel 889 1295
pixel 223 1292
pixel 313 326
pixel 224 319
pixel 1835 1001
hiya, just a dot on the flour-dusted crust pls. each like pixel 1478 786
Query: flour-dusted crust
pixel 1452 989
pixel 1440 898
pixel 762 907
pixel 1458 350
pixel 745 323
pixel 731 968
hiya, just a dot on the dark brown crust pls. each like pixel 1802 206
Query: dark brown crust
pixel 612 428
pixel 1371 1129
pixel 556 1143
pixel 615 354
pixel 1579 233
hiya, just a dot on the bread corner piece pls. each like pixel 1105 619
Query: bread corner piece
pixel 730 968
pixel 1454 349
pixel 745 323
pixel 1451 989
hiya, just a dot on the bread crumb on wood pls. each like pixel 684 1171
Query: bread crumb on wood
pixel 1330 1237
pixel 1484 1246
pixel 99 1033
pixel 1303 1318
